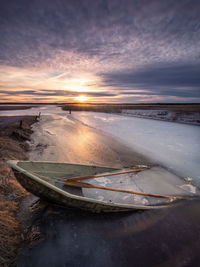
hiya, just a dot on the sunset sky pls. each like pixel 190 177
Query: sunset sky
pixel 100 51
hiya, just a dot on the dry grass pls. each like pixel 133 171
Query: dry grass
pixel 11 147
pixel 117 108
pixel 15 107
pixel 10 237
pixel 9 232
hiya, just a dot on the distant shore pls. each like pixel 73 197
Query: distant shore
pixel 180 113
pixel 14 107
pixel 112 107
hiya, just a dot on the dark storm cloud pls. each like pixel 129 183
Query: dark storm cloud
pixel 163 92
pixel 157 75
pixel 189 93
pixel 162 79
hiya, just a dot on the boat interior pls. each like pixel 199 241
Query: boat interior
pixel 112 185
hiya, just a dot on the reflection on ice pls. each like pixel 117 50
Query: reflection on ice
pixel 58 138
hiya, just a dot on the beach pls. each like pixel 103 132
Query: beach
pixel 49 235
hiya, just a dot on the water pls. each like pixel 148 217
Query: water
pixel 167 237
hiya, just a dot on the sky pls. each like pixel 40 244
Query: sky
pixel 130 51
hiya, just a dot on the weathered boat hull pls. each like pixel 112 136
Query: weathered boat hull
pixel 47 193
pixel 45 190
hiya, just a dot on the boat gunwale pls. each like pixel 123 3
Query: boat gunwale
pixel 13 164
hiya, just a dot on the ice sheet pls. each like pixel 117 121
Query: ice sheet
pixel 173 145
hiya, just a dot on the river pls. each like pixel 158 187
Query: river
pixel 168 237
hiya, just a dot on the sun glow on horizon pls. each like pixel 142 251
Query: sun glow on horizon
pixel 81 98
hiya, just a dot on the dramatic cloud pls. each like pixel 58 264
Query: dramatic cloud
pixel 160 80
pixel 103 48
pixel 158 75
pixel 53 93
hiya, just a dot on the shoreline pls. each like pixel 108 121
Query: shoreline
pixel 14 133
pixel 10 107
pixel 159 119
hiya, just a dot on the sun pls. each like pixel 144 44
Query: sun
pixel 81 98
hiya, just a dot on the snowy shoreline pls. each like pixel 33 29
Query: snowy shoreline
pixel 192 118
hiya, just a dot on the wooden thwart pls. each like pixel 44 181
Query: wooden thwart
pixel 79 178
pixel 75 182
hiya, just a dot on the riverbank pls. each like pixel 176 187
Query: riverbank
pixel 14 134
pixel 14 107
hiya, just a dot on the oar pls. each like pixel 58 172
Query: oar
pixel 79 178
pixel 86 185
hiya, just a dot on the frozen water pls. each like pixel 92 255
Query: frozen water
pixel 34 110
pixel 58 138
pixel 174 145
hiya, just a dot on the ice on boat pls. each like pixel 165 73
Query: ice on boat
pixel 156 180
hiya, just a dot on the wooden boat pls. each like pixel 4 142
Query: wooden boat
pixel 60 183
